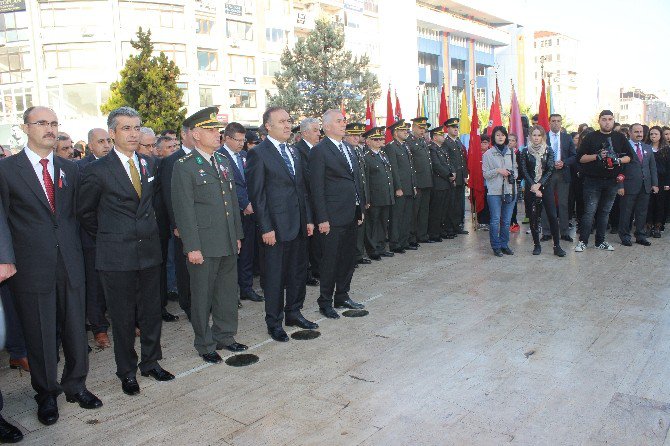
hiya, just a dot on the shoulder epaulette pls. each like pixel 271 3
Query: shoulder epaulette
pixel 186 157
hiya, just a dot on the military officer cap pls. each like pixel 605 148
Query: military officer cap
pixel 355 128
pixel 428 125
pixel 375 133
pixel 437 131
pixel 204 119
pixel 398 125
pixel 295 129
pixel 421 121
pixel 451 122
pixel 252 135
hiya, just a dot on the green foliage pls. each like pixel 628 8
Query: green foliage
pixel 149 85
pixel 318 74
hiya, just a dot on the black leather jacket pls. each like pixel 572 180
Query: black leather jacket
pixel 527 166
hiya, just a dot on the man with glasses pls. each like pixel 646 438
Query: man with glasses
pixel 64 147
pixel 147 146
pixel 39 191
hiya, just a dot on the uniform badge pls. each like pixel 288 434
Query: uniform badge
pixel 202 173
pixel 224 171
pixel 198 160
pixel 143 162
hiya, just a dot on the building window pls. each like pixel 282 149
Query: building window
pixel 60 14
pixel 458 41
pixel 278 6
pixel 242 99
pixel 351 20
pixel 78 100
pixel 150 15
pixel 480 70
pixel 270 67
pixel 13 102
pixel 14 26
pixel 183 86
pixel 76 55
pixel 481 96
pixel 276 35
pixel 208 60
pixel 558 41
pixel 14 64
pixel 203 25
pixel 558 57
pixel 239 30
pixel 206 98
pixel 239 7
pixel 243 65
pixel 371 6
pixel 175 52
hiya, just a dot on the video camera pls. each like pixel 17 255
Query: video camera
pixel 611 159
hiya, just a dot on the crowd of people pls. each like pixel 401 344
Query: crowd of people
pixel 193 215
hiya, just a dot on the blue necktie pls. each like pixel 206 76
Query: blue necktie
pixel 342 149
pixel 240 164
pixel 287 161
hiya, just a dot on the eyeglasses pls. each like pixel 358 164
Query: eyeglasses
pixel 237 140
pixel 148 145
pixel 52 124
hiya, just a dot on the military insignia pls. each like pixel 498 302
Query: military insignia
pixel 202 173
pixel 61 180
pixel 143 162
pixel 224 171
pixel 199 160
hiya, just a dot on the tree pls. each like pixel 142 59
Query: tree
pixel 318 74
pixel 149 85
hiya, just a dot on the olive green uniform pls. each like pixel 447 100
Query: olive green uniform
pixel 402 169
pixel 381 198
pixel 456 194
pixel 424 183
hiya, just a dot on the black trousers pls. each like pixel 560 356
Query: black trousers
pixel 452 210
pixel 420 214
pixel 438 203
pixel 43 315
pixel 376 229
pixel 133 300
pixel 95 296
pixel 284 268
pixel 181 274
pixel 656 210
pixel 633 204
pixel 534 211
pixel 163 280
pixel 337 263
pixel 14 342
pixel 400 222
pixel 245 260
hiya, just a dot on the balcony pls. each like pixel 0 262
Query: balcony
pixel 444 21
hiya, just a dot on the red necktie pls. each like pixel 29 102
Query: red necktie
pixel 639 152
pixel 48 184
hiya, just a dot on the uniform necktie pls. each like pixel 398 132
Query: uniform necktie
pixel 213 162
pixel 135 177
pixel 48 184
pixel 341 147
pixel 639 151
pixel 287 161
pixel 240 164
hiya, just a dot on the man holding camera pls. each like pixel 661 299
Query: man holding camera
pixel 601 155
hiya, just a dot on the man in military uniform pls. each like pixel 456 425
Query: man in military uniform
pixel 356 144
pixel 404 185
pixel 459 172
pixel 424 180
pixel 441 184
pixel 206 211
pixel 381 194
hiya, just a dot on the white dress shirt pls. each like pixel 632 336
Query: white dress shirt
pixel 555 142
pixel 288 152
pixel 185 149
pixel 34 159
pixel 124 162
pixel 345 150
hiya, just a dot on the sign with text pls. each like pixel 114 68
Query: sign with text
pixel 12 5
pixel 233 9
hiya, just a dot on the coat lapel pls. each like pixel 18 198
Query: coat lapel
pixel 31 179
pixel 274 152
pixel 338 155
pixel 119 172
pixel 59 185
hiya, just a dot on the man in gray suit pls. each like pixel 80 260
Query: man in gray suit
pixel 640 180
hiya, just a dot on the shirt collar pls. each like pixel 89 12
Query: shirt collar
pixel 186 149
pixel 337 143
pixel 204 154
pixel 308 144
pixel 124 159
pixel 230 152
pixel 275 142
pixel 34 158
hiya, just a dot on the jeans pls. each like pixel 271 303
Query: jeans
pixel 599 194
pixel 501 215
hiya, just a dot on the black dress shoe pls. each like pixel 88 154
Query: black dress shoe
pixel 212 358
pixel 278 334
pixel 545 238
pixel 626 243
pixel 430 241
pixel 130 386
pixel 424 240
pixel 159 374
pixel 462 232
pixel 507 251
pixel 311 281
pixel 85 399
pixel 364 261
pixel 375 257
pixel 235 347
pixel 47 410
pixel 449 236
pixel 169 317
pixel 398 251
pixel 537 250
pixel 348 303
pixel 567 238
pixel 300 321
pixel 9 433
pixel 643 242
pixel 414 244
pixel 329 312
pixel 173 295
pixel 387 254
pixel 497 253
pixel 252 296
pixel 436 240
pixel 558 251
pixel 411 248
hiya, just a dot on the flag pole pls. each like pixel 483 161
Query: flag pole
pixel 473 199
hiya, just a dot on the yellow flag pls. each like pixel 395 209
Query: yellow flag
pixel 464 127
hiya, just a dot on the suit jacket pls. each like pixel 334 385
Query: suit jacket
pixel 123 224
pixel 335 188
pixel 160 206
pixel 380 179
pixel 401 165
pixel 423 169
pixel 303 150
pixel 240 180
pixel 640 174
pixel 568 156
pixel 165 178
pixel 441 168
pixel 359 155
pixel 87 241
pixel 457 162
pixel 205 206
pixel 38 234
pixel 6 246
pixel 279 200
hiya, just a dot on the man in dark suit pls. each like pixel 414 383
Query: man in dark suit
pixel 423 172
pixel 338 205
pixel 310 130
pixel 565 156
pixel 456 192
pixel 356 144
pixel 99 144
pixel 233 143
pixel 116 205
pixel 404 184
pixel 165 178
pixel 442 181
pixel 8 432
pixel 380 180
pixel 641 179
pixel 39 193
pixel 279 198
